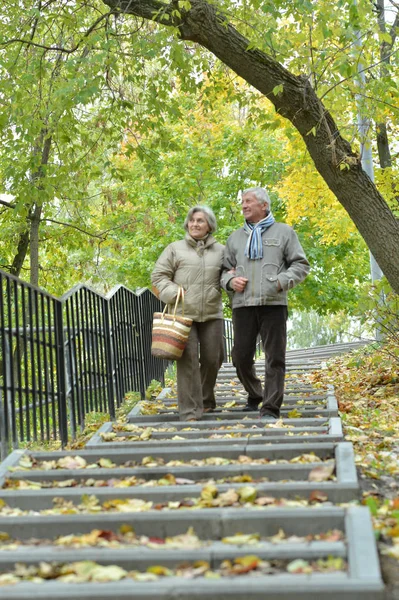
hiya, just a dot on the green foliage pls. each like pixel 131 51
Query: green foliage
pixel 379 306
pixel 129 402
pixel 143 126
pixel 153 390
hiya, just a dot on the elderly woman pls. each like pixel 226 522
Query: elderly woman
pixel 195 263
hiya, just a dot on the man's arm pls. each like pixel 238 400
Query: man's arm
pixel 297 264
pixel 229 281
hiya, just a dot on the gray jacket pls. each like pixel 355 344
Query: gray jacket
pixel 283 261
pixel 199 274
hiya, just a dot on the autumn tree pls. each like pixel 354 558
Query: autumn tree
pixel 61 115
pixel 205 155
pixel 126 76
pixel 252 38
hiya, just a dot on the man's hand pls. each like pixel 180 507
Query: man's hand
pixel 238 284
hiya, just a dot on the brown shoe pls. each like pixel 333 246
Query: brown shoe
pixel 208 410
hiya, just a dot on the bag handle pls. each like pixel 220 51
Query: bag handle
pixel 180 296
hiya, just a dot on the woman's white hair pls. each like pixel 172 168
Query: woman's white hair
pixel 209 215
pixel 261 195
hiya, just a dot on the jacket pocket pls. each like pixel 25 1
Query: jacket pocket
pixel 271 242
pixel 213 299
pixel 272 252
pixel 191 300
pixel 268 283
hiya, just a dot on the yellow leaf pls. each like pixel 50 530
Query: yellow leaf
pixel 241 539
pixel 159 570
pixel 245 561
pixel 209 492
pixel 247 493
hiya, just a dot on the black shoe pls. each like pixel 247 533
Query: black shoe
pixel 250 408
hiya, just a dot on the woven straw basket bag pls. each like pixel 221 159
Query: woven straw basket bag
pixel 170 332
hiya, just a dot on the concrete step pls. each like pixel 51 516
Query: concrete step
pixel 297 430
pixel 134 455
pixel 288 481
pixel 361 580
pixel 289 498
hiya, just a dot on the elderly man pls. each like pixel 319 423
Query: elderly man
pixel 263 260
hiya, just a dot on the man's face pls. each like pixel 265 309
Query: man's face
pixel 252 210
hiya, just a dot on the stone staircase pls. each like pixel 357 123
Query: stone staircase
pixel 240 508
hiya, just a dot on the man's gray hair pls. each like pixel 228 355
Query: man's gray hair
pixel 209 215
pixel 261 195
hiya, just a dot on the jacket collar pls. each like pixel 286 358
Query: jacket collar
pixel 210 240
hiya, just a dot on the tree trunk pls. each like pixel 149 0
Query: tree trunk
pixel 44 147
pixel 384 153
pixel 297 101
pixel 34 245
pixel 20 256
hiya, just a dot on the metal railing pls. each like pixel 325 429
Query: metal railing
pixel 228 341
pixel 61 358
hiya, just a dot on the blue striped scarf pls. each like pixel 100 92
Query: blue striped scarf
pixel 254 247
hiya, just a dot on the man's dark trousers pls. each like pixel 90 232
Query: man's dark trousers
pixel 271 323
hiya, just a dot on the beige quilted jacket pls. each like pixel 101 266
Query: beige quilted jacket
pixel 180 264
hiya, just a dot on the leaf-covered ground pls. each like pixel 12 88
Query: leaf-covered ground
pixel 29 462
pixel 366 385
pixel 137 433
pixel 319 470
pixel 246 496
pixel 126 536
pixel 323 472
pixel 89 571
pixel 367 388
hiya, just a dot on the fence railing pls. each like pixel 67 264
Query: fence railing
pixel 61 358
pixel 228 340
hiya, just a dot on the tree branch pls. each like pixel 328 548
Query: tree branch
pixel 294 99
pixel 60 48
pixel 94 235
pixel 341 81
pixel 7 204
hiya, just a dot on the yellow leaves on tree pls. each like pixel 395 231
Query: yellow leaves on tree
pixel 306 195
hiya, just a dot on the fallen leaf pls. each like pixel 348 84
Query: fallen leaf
pixel 241 539
pixel 317 496
pixel 322 472
pixel 299 566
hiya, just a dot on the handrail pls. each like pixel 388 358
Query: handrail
pixel 61 358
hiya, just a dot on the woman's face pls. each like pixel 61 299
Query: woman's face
pixel 198 226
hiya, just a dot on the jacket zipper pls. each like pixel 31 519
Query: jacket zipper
pixel 253 280
pixel 203 284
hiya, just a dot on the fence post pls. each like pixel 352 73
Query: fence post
pixel 143 378
pixel 9 392
pixel 4 445
pixel 61 376
pixel 109 359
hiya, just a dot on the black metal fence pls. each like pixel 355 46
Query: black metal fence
pixel 228 340
pixel 62 358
